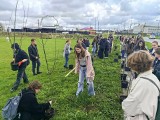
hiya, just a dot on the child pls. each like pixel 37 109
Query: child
pixel 85 69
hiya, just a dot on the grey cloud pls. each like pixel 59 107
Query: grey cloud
pixel 75 12
pixel 6 5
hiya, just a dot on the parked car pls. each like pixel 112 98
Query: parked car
pixel 152 37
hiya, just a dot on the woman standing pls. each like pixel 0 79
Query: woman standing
pixel 141 103
pixel 85 69
pixel 67 52
pixel 94 47
pixel 140 45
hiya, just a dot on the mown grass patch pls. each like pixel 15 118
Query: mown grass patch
pixel 103 106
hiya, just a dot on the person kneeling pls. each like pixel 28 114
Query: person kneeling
pixel 29 108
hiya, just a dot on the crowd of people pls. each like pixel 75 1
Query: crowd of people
pixel 141 102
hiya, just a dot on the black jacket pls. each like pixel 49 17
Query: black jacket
pixel 156 66
pixel 19 55
pixel 86 42
pixel 150 51
pixel 33 52
pixel 102 43
pixel 137 47
pixel 29 107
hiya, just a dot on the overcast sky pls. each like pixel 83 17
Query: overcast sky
pixel 111 14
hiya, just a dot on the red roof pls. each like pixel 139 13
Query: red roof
pixel 87 28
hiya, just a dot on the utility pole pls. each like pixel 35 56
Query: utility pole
pixel 95 23
pixel 158 28
pixel 98 25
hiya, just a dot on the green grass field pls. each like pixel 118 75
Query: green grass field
pixel 103 106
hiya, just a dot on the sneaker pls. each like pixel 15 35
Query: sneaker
pixel 39 72
pixel 65 67
pixel 26 82
pixel 34 74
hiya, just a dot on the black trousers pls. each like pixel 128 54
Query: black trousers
pixel 101 53
pixel 28 116
pixel 21 74
pixel 35 64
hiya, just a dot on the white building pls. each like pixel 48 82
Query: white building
pixel 146 29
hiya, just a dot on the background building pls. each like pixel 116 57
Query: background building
pixel 146 29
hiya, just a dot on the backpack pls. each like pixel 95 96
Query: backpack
pixel 9 111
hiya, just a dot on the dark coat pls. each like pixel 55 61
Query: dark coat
pixel 83 45
pixel 137 47
pixel 86 42
pixel 19 55
pixel 130 48
pixel 102 43
pixel 150 51
pixel 30 108
pixel 33 52
pixel 156 66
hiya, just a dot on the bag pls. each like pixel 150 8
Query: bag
pixel 49 113
pixel 14 66
pixel 70 67
pixel 9 111
pixel 158 106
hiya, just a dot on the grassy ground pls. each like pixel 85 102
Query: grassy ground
pixel 104 106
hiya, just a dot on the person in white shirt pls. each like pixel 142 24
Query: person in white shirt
pixel 142 99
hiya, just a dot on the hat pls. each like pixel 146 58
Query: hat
pixel 15 45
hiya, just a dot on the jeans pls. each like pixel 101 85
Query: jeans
pixel 34 66
pixel 21 74
pixel 82 75
pixel 123 53
pixel 93 51
pixel 66 60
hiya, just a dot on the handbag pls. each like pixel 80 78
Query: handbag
pixel 14 66
pixel 158 105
